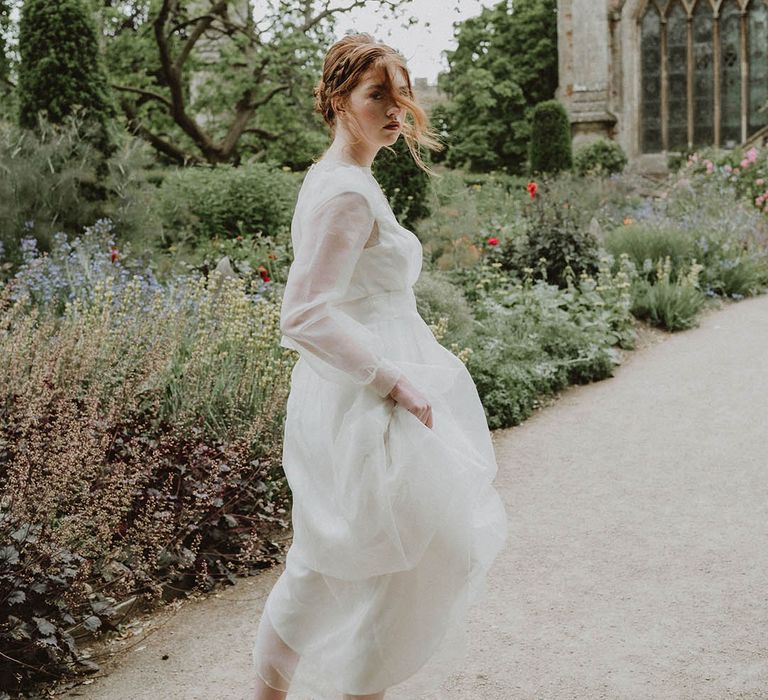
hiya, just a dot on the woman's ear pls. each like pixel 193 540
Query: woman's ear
pixel 338 104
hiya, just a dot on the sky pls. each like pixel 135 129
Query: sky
pixel 422 43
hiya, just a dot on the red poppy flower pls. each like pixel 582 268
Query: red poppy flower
pixel 532 188
pixel 113 255
pixel 493 241
pixel 263 273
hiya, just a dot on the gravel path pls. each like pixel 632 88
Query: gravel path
pixel 637 566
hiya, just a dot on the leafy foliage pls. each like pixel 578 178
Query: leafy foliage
pixel 39 579
pixel 672 304
pixel 60 69
pixel 6 93
pixel 150 450
pixel 466 210
pixel 550 149
pixel 649 241
pixel 552 243
pixel 404 182
pixel 601 157
pixel 505 62
pixel 534 338
pixel 49 180
pixel 204 202
pixel 224 85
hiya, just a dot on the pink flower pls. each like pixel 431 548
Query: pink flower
pixel 710 167
pixel 752 154
pixel 760 182
pixel 493 241
pixel 745 163
pixel 759 201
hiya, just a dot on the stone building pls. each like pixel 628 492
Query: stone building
pixel 664 76
pixel 428 95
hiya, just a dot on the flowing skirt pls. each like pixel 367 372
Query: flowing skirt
pixel 395 525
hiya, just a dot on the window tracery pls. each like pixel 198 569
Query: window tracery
pixel 704 72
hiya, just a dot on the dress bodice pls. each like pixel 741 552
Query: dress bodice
pixel 353 263
pixel 392 263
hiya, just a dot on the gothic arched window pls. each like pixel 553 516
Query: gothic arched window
pixel 703 76
pixel 704 72
pixel 651 71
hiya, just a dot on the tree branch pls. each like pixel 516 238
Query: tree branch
pixel 161 145
pixel 268 135
pixel 246 108
pixel 144 93
pixel 202 24
pixel 168 21
pixel 172 74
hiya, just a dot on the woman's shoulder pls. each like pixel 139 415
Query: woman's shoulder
pixel 326 180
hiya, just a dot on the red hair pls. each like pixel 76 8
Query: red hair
pixel 344 66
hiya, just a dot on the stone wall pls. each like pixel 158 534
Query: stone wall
pixel 599 73
pixel 584 59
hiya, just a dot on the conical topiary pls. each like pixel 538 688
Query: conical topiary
pixel 60 69
pixel 550 150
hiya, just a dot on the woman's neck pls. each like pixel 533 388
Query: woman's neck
pixel 341 149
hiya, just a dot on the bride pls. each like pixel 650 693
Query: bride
pixel 386 448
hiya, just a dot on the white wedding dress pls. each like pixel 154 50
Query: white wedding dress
pixel 395 525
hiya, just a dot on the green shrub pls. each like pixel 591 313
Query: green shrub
pixel 203 202
pixel 552 243
pixel 438 296
pixel 550 147
pixel 60 69
pixel 405 184
pixel 45 180
pixel 738 276
pixel 700 216
pixel 466 211
pixel 535 339
pixel 531 339
pixel 674 305
pixel 601 157
pixel 653 242
pixel 607 200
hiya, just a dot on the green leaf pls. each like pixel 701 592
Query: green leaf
pixel 17 597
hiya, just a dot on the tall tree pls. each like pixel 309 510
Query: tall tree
pixel 5 21
pixel 60 69
pixel 217 80
pixel 504 63
pixel 6 82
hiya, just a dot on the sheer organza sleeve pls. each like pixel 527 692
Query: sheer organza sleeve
pixel 335 345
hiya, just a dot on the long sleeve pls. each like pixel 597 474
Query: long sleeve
pixel 335 345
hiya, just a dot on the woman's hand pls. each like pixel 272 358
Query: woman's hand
pixel 412 400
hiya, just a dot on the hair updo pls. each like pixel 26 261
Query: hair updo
pixel 346 63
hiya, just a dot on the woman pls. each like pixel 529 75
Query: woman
pixel 386 447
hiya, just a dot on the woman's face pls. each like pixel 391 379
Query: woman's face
pixel 379 116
